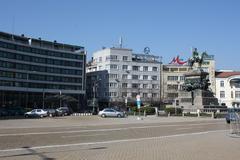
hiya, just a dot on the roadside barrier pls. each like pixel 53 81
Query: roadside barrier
pixel 235 124
pixel 81 114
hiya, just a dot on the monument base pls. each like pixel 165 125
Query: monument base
pixel 198 101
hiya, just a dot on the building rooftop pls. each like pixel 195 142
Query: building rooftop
pixel 146 58
pixel 226 74
pixel 22 39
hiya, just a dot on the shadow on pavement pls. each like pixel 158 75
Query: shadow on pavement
pixel 32 153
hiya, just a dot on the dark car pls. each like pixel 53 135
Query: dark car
pixel 15 111
pixel 64 111
pixel 232 115
pixel 3 112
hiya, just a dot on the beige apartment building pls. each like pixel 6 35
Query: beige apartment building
pixel 173 77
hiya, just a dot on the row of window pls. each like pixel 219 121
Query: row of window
pixel 133 95
pixel 112 58
pixel 40 51
pixel 176 69
pixel 124 58
pixel 134 77
pixel 172 87
pixel 39 68
pixel 37 85
pixel 39 59
pixel 133 85
pixel 39 77
pixel 237 94
pixel 236 85
pixel 134 68
pixel 175 78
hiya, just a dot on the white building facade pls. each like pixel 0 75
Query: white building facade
pixel 122 75
pixel 228 88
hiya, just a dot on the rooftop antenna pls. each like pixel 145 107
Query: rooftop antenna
pixel 13 26
pixel 120 42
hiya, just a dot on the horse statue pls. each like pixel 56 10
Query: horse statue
pixel 197 58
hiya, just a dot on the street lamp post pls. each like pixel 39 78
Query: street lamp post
pixel 94 94
pixel 27 90
pixel 60 101
pixel 43 96
pixel 118 90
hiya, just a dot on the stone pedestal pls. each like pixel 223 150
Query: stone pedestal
pixel 197 100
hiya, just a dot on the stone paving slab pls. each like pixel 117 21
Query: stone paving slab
pixel 203 146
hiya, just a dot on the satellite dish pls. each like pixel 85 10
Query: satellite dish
pixel 146 50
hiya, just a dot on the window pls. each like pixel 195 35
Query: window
pixel 113 57
pixel 222 94
pixel 124 76
pixel 113 76
pixel 154 77
pixel 221 83
pixel 113 85
pixel 113 66
pixel 154 86
pixel 125 67
pixel 172 78
pixel 145 68
pixel 135 68
pixel 135 77
pixel 124 85
pixel 145 95
pixel 172 87
pixel 237 94
pixel 154 95
pixel 134 94
pixel 49 61
pixel 100 59
pixel 113 94
pixel 145 86
pixel 182 78
pixel 125 58
pixel 145 77
pixel 182 69
pixel 19 57
pixel 231 94
pixel 206 63
pixel 172 95
pixel 174 69
pixel 124 94
pixel 135 85
pixel 154 69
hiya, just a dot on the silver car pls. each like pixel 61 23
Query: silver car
pixel 36 113
pixel 109 112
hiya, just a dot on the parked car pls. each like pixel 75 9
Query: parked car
pixel 15 111
pixel 36 113
pixel 109 112
pixel 64 111
pixel 51 112
pixel 3 112
pixel 232 115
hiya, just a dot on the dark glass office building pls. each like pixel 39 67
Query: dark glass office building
pixel 35 73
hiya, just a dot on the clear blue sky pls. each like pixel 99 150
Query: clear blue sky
pixel 168 27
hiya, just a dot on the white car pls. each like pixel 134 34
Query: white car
pixel 36 113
